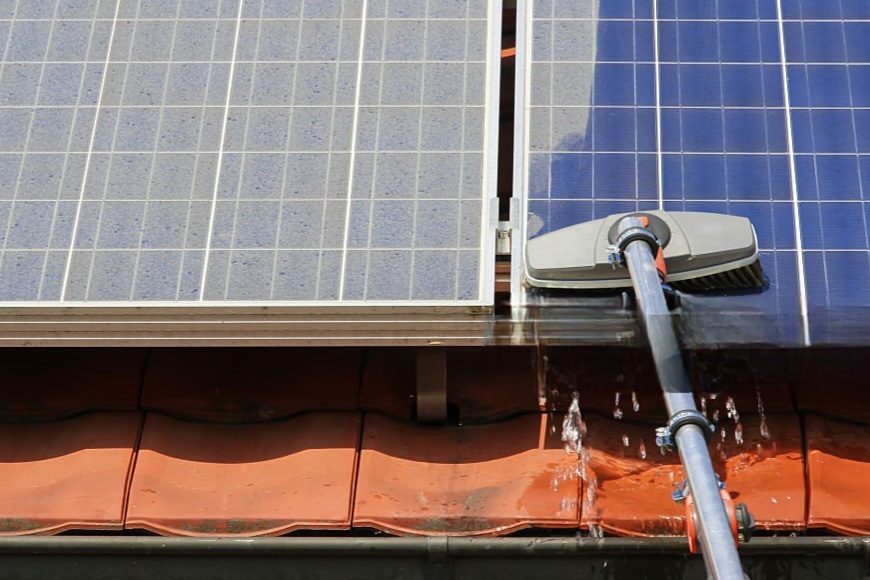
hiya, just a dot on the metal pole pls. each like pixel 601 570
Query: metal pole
pixel 714 530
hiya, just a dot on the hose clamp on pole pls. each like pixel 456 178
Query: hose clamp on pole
pixel 633 234
pixel 666 436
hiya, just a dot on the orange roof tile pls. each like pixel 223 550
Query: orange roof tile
pixel 483 385
pixel 766 474
pixel 831 383
pixel 198 479
pixel 631 494
pixel 251 384
pixel 69 474
pixel 462 481
pixel 838 469
pixel 628 487
pixel 46 384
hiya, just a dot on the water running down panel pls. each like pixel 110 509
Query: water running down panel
pixel 680 105
pixel 247 152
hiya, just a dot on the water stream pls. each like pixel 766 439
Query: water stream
pixel 573 433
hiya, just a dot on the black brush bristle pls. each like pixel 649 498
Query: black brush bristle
pixel 750 277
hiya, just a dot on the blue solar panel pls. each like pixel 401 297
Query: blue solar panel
pixel 247 151
pixel 829 77
pixel 699 121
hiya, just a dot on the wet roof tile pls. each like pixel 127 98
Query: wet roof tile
pixel 831 383
pixel 198 479
pixel 483 384
pixel 251 384
pixel 633 482
pixel 766 473
pixel 69 474
pixel 629 483
pixel 46 384
pixel 597 375
pixel 468 480
pixel 838 469
pixel 606 381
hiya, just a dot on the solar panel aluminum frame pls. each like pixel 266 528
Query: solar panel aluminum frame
pixel 520 209
pixel 276 322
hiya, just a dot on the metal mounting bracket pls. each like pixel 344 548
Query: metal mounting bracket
pixel 432 385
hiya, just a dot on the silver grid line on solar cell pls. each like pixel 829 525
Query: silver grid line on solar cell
pixel 191 159
pixel 796 215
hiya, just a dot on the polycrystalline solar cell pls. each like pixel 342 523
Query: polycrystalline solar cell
pixel 698 122
pixel 724 134
pixel 49 86
pixel 245 150
pixel 144 216
pixel 828 61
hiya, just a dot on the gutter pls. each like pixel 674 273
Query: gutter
pixel 338 546
pixel 436 558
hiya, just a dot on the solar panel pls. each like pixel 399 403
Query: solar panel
pixel 745 107
pixel 296 152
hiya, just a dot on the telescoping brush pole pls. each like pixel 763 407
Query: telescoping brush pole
pixel 688 428
pixel 693 252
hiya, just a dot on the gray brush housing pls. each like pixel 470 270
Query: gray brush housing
pixel 702 251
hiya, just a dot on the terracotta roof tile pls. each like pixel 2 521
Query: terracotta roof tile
pixel 838 469
pixel 198 479
pixel 631 494
pixel 483 385
pixel 765 473
pixel 251 384
pixel 831 383
pixel 599 374
pixel 470 480
pixel 46 384
pixel 628 487
pixel 69 474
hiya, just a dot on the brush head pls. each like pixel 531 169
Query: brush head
pixel 702 252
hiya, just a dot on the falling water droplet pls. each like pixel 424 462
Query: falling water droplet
pixel 625 441
pixel 714 396
pixel 554 396
pixel 617 412
pixel 716 416
pixel 732 410
pixel 641 450
pixel 704 404
pixel 542 368
pixel 635 405
pixel 738 434
pixel 722 434
pixel 571 425
pixel 762 418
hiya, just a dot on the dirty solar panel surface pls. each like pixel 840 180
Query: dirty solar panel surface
pixel 697 121
pixel 207 151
